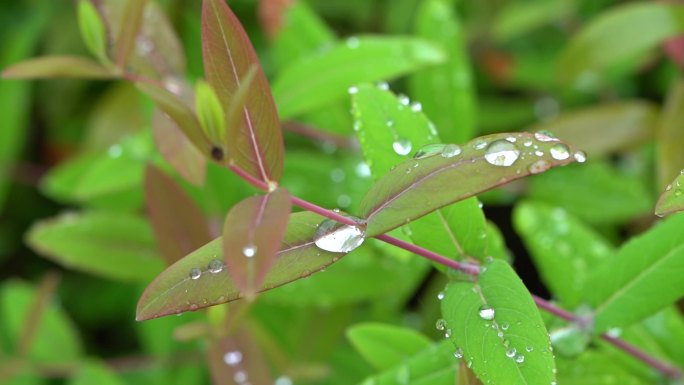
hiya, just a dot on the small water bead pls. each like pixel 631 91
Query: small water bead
pixel 469 364
pixel 458 353
pixel 486 312
pixel 363 170
pixel 527 143
pixel 511 139
pixel 501 153
pixel 402 146
pixel 384 86
pixel 510 353
pixel 451 150
pixel 441 324
pixel 195 273
pixel 440 296
pixel 538 166
pixel 404 100
pixel 479 144
pixel 416 107
pixel 539 153
pixel 429 150
pixel 240 376
pixel 580 156
pixel 215 266
pixel 447 333
pixel 545 136
pixel 232 358
pixel 504 326
pixel 353 90
pixel 520 358
pixel 249 251
pixel 338 238
pixel 559 151
pixel 529 349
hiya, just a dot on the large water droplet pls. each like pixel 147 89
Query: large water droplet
pixel 486 312
pixel 502 153
pixel 337 237
pixel 232 358
pixel 402 146
pixel 441 324
pixel 249 251
pixel 195 273
pixel 215 266
pixel 451 150
pixel 429 150
pixel 559 151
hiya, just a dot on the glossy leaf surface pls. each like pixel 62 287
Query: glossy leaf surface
pixel 58 67
pixel 174 291
pixel 498 329
pixel 384 345
pixel 564 249
pixel 670 138
pixel 256 143
pixel 102 243
pixel 325 77
pixel 641 279
pixel 623 125
pixel 671 200
pixel 620 34
pixel 419 186
pixel 252 235
pixel 446 91
pixel 179 225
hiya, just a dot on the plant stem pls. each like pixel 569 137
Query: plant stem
pixel 668 370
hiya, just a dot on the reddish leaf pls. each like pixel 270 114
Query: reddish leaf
pixel 58 67
pixel 446 175
pixel 237 360
pixel 256 143
pixel 465 375
pixel 672 199
pixel 178 224
pixel 190 284
pixel 252 234
pixel 271 15
pixel 125 41
pixel 177 150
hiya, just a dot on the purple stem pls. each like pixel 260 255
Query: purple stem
pixel 666 369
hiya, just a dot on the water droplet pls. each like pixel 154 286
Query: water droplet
pixel 353 90
pixel 240 376
pixel 447 333
pixel 511 352
pixel 249 251
pixel 527 143
pixel 193 307
pixel 504 326
pixel 486 312
pixel 539 166
pixel 402 146
pixel 337 237
pixel 440 296
pixel 384 86
pixel 469 364
pixel 389 123
pixel 529 349
pixel 195 273
pixel 511 139
pixel 404 100
pixel 614 332
pixel 559 151
pixel 580 156
pixel 451 150
pixel 539 153
pixel 416 107
pixel 520 358
pixel 363 170
pixel 678 192
pixel 215 266
pixel 441 324
pixel 353 42
pixel 479 144
pixel 502 153
pixel 232 358
pixel 429 150
pixel 458 353
pixel 545 136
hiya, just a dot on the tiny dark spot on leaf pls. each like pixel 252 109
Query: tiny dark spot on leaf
pixel 217 153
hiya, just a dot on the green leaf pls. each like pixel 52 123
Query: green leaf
pixel 94 372
pixel 252 235
pixel 54 327
pixel 178 224
pixel 624 125
pixel 256 142
pixel 641 279
pixel 58 67
pixel 619 34
pixel 177 149
pixel 446 91
pixel 132 20
pixel 174 291
pixel 670 137
pixel 434 365
pixel 113 245
pixel 323 78
pixel 596 368
pixel 671 199
pixel 519 18
pixel 596 192
pixel 563 248
pixel 210 112
pixel 667 328
pixel 92 30
pixel 383 345
pixel 445 175
pixel 498 329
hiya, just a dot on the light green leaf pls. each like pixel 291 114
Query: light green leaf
pixel 92 30
pixel 434 365
pixel 114 245
pixel 385 346
pixel 210 112
pixel 641 279
pixel 498 329
pixel 671 200
pixel 323 78
pixel 595 368
pixel 619 34
pixel 301 33
pixel 519 18
pixel 595 192
pixel 667 328
pixel 563 248
pixel 670 136
pixel 446 91
pixel 58 67
pixel 94 373
pixel 55 329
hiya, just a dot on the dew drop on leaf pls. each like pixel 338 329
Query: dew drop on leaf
pixel 353 90
pixel 232 358
pixel 458 353
pixel 249 251
pixel 520 358
pixel 486 312
pixel 240 376
pixel 451 150
pixel 545 136
pixel 511 352
pixel 338 238
pixel 502 153
pixel 440 296
pixel 559 151
pixel 215 266
pixel 429 150
pixel 195 273
pixel 539 166
pixel 416 107
pixel 580 156
pixel 440 324
pixel 402 146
